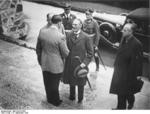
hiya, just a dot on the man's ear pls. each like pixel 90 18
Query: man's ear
pixel 59 24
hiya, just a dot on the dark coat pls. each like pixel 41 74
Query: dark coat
pixel 67 22
pixel 127 66
pixel 81 47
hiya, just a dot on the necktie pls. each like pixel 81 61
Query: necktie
pixel 67 17
pixel 75 36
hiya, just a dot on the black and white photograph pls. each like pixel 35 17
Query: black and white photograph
pixel 74 55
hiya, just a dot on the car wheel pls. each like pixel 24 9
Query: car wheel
pixel 108 31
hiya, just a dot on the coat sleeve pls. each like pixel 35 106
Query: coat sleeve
pixel 89 50
pixel 135 68
pixel 97 34
pixel 139 59
pixel 63 47
pixel 39 49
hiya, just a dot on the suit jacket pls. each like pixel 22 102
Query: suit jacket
pixel 127 66
pixel 67 22
pixel 51 49
pixel 81 47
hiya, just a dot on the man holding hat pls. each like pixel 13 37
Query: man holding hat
pixel 81 53
pixel 67 17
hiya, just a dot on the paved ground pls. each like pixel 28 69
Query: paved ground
pixel 21 82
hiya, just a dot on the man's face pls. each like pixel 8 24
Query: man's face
pixel 127 31
pixel 88 15
pixel 49 19
pixel 76 25
pixel 67 11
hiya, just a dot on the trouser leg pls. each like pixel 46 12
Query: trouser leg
pixel 121 102
pixel 80 93
pixel 55 87
pixel 96 61
pixel 47 81
pixel 72 92
pixel 131 100
pixel 51 82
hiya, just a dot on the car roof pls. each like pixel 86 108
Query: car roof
pixel 140 14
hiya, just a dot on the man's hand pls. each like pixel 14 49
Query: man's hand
pixel 115 45
pixel 96 48
pixel 82 65
pixel 96 54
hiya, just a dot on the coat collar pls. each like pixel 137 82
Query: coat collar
pixel 126 45
pixel 76 40
pixel 67 15
pixel 54 27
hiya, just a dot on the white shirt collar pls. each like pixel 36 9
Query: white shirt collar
pixel 53 26
pixel 67 15
pixel 78 32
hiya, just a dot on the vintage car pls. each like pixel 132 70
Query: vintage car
pixel 110 27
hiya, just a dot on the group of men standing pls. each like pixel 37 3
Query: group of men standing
pixel 57 51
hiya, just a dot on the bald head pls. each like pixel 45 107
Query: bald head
pixel 49 17
pixel 77 24
pixel 128 29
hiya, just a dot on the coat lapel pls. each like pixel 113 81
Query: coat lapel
pixel 126 46
pixel 76 40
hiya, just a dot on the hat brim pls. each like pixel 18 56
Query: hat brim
pixel 81 72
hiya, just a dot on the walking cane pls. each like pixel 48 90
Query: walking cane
pixel 98 52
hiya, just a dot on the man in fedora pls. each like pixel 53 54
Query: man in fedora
pixel 81 53
pixel 67 17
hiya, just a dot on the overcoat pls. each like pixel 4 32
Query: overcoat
pixel 82 47
pixel 127 66
pixel 67 21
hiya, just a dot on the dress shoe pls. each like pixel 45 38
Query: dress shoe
pixel 130 106
pixel 80 101
pixel 115 109
pixel 71 98
pixel 97 69
pixel 118 109
pixel 55 103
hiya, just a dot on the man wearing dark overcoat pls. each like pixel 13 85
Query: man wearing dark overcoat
pixel 51 50
pixel 90 26
pixel 67 17
pixel 127 66
pixel 79 45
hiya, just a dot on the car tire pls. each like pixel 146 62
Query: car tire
pixel 108 30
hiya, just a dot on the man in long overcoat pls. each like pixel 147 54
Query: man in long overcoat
pixel 79 45
pixel 127 66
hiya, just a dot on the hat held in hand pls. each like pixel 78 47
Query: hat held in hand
pixel 81 72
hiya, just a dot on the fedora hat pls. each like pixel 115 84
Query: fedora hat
pixel 81 72
pixel 67 7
